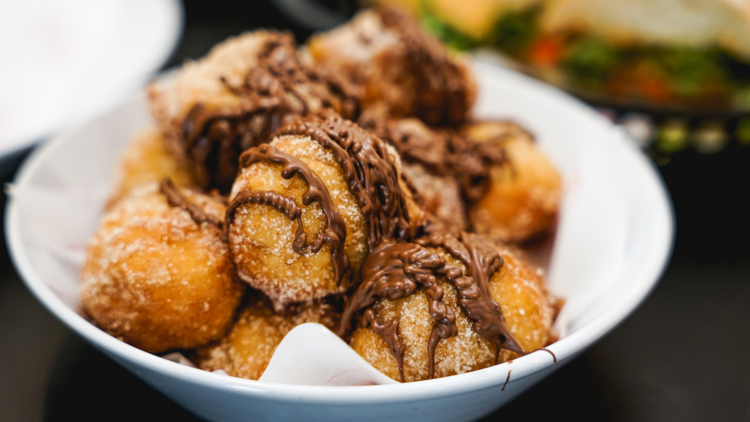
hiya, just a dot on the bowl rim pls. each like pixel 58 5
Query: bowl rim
pixel 567 347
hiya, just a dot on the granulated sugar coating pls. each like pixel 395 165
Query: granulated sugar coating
pixel 145 160
pixel 519 289
pixel 516 288
pixel 523 196
pixel 201 82
pixel 156 279
pixel 249 346
pixel 262 237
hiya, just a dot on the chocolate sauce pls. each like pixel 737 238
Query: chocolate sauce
pixel 554 357
pixel 277 86
pixel 335 231
pixel 414 141
pixel 275 200
pixel 441 151
pixel 368 169
pixel 388 331
pixel 483 260
pixel 507 380
pixel 444 94
pixel 395 270
pixel 175 198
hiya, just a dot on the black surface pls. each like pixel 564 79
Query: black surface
pixel 680 357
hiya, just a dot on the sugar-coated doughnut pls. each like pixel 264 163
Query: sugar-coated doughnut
pixel 523 196
pixel 158 274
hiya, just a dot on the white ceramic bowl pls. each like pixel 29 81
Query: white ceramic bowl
pixel 613 241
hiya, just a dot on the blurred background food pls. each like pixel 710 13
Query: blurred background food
pixel 659 54
pixel 675 73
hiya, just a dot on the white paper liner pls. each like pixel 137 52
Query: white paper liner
pixel 311 354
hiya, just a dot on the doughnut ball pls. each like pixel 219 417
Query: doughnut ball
pixel 261 237
pixel 200 82
pixel 523 197
pixel 395 63
pixel 215 108
pixel 440 195
pixel 145 160
pixel 518 289
pixel 246 351
pixel 155 278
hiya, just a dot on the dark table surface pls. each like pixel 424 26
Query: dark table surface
pixel 682 356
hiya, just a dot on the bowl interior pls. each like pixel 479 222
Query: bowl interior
pixel 613 238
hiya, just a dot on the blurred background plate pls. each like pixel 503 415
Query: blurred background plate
pixel 64 62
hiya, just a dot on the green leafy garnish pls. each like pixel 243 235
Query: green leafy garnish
pixel 590 60
pixel 450 36
pixel 514 31
pixel 690 70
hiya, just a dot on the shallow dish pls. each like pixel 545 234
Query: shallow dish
pixel 613 240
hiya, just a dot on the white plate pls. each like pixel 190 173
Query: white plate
pixel 613 241
pixel 64 62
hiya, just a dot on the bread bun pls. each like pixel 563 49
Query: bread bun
pixel 689 23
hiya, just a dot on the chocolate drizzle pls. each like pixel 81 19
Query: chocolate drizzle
pixel 444 92
pixel 554 357
pixel 440 151
pixel 368 169
pixel 483 260
pixel 389 332
pixel 275 200
pixel 335 231
pixel 395 270
pixel 276 87
pixel 507 380
pixel 175 198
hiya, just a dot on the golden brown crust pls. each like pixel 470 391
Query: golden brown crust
pixel 156 279
pixel 213 110
pixel 262 238
pixel 246 351
pixel 523 197
pixel 146 160
pixel 396 64
pixel 517 287
pixel 528 309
